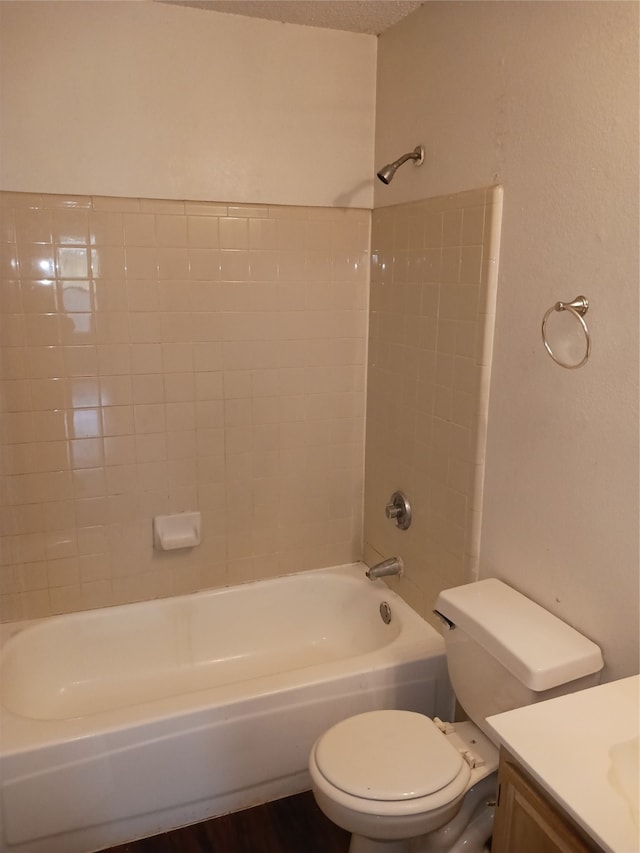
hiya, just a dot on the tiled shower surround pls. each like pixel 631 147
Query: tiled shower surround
pixel 433 294
pixel 161 356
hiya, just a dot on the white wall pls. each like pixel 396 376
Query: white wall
pixel 158 101
pixel 543 98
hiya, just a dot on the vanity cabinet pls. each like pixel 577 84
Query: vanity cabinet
pixel 527 819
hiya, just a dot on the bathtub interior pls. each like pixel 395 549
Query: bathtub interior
pixel 87 663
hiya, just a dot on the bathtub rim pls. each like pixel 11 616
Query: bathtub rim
pixel 139 653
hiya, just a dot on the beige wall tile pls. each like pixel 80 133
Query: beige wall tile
pixel 430 355
pixel 199 357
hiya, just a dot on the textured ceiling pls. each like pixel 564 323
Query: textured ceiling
pixel 357 16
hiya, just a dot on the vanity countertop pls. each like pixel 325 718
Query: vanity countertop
pixel 583 749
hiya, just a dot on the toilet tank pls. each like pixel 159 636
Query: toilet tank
pixel 505 651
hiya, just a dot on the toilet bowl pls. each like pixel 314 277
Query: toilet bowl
pixel 400 782
pixel 391 776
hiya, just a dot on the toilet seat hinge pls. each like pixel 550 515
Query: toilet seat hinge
pixel 472 759
pixel 445 728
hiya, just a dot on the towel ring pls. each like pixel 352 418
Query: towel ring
pixel 578 307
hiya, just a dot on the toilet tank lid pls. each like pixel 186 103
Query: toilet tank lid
pixel 539 649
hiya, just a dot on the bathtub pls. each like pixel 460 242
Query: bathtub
pixel 124 722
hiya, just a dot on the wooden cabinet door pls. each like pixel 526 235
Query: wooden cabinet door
pixel 527 821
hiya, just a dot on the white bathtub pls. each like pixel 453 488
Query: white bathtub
pixel 124 722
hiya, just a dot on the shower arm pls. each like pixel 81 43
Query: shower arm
pixel 412 155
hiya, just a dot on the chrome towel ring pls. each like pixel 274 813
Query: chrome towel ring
pixel 578 307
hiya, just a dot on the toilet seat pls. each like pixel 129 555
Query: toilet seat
pixel 389 762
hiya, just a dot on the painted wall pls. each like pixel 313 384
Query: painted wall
pixel 147 100
pixel 157 101
pixel 543 98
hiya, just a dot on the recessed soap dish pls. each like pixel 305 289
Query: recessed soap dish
pixel 180 530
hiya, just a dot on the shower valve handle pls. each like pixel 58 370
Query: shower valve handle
pixel 399 510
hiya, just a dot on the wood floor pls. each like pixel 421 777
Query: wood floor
pixel 291 825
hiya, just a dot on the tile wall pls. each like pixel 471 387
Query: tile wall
pixel 433 294
pixel 161 356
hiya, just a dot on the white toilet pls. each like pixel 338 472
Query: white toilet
pixel 403 783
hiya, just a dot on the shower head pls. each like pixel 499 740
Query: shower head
pixel 387 172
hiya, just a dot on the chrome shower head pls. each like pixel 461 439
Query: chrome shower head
pixel 387 172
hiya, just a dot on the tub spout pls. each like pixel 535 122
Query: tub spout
pixel 392 566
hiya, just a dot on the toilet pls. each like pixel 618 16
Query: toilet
pixel 401 782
